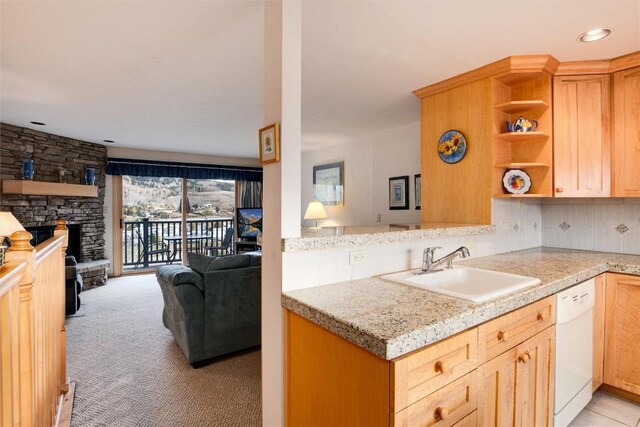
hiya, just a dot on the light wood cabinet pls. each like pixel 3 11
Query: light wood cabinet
pixel 581 126
pixel 622 332
pixel 598 332
pixel 419 374
pixel 516 388
pixel 503 333
pixel 626 133
pixel 330 381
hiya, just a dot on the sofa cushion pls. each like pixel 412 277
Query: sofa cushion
pixel 179 275
pixel 205 263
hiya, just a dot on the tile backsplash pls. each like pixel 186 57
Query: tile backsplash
pixel 610 225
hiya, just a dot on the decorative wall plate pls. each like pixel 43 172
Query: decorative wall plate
pixel 452 146
pixel 516 181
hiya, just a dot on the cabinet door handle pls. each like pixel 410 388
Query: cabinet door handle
pixel 441 413
pixel 540 316
pixel 524 357
pixel 503 336
pixel 559 189
pixel 442 367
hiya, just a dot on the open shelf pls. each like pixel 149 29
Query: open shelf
pixel 514 107
pixel 39 188
pixel 521 136
pixel 521 165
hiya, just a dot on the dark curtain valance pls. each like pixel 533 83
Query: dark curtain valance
pixel 163 169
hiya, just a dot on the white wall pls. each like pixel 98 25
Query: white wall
pixel 518 227
pixel 369 162
pixel 592 224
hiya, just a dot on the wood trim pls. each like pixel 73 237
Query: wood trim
pixel 571 68
pixel 625 62
pixel 185 200
pixel 598 332
pixel 39 188
pixel 11 274
pixel 600 66
pixel 64 416
pixel 116 217
pixel 516 65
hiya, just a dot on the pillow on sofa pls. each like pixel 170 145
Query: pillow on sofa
pixel 203 263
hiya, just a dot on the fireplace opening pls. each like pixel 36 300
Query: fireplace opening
pixel 42 233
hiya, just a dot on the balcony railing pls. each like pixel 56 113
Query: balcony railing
pixel 148 242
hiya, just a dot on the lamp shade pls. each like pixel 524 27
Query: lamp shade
pixel 315 210
pixel 9 224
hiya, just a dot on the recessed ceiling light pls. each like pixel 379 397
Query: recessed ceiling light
pixel 594 35
pixel 110 141
pixel 38 123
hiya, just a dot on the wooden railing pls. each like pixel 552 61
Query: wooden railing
pixel 32 331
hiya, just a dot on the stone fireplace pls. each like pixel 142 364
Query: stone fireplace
pixel 51 153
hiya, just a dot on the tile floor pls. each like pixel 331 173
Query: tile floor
pixel 605 410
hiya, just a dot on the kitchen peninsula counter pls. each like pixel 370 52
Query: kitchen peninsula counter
pixel 389 319
pixel 364 235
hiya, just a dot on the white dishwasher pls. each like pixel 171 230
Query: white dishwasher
pixel 574 351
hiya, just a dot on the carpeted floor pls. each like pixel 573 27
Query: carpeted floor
pixel 130 372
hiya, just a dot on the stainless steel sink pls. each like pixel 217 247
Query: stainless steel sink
pixel 471 284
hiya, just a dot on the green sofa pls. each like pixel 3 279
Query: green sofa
pixel 212 308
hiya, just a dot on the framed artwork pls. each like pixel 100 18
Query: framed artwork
pixel 328 184
pixel 269 138
pixel 399 192
pixel 417 180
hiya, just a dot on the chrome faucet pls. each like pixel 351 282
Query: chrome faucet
pixel 430 265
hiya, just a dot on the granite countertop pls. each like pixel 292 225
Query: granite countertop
pixel 362 235
pixel 390 320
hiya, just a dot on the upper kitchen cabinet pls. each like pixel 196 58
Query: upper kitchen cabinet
pixel 582 136
pixel 626 133
pixel 478 104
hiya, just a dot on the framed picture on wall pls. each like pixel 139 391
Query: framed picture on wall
pixel 328 184
pixel 269 138
pixel 399 192
pixel 417 180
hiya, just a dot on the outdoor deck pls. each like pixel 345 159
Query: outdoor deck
pixel 151 243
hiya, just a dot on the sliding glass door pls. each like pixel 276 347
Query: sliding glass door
pixel 163 218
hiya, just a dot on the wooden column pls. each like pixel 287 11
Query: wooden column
pixel 21 250
pixel 62 230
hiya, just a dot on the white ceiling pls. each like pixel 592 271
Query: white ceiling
pixel 362 59
pixel 187 75
pixel 177 76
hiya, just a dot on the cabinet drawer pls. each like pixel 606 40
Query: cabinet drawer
pixel 499 335
pixel 470 420
pixel 445 407
pixel 421 373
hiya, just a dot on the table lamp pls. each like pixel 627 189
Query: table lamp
pixel 316 211
pixel 8 225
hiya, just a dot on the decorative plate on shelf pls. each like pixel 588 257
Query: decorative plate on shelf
pixel 452 146
pixel 516 181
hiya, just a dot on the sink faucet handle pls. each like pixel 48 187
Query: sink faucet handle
pixel 431 250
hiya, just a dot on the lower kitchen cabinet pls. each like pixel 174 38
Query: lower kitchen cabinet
pixel 622 332
pixel 331 381
pixel 516 387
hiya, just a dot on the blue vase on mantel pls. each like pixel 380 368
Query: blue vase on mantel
pixel 27 169
pixel 90 176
